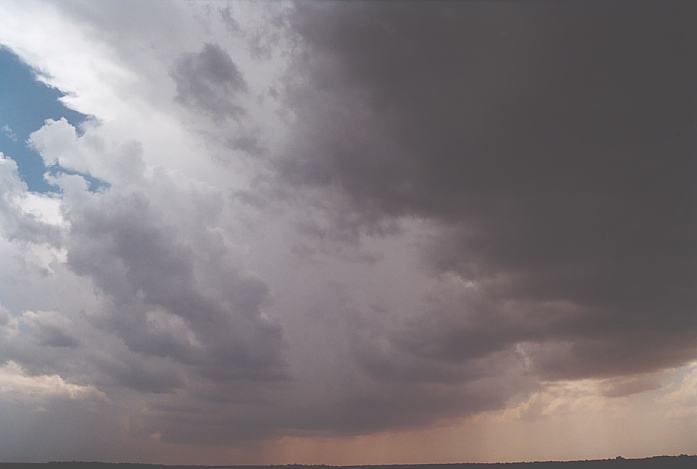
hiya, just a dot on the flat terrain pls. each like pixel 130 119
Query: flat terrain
pixel 669 462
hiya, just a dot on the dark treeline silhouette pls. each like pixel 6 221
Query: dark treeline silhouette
pixel 657 462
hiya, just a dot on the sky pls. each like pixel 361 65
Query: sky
pixel 347 232
pixel 25 103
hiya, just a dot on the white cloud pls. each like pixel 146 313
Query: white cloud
pixel 17 384
pixel 7 131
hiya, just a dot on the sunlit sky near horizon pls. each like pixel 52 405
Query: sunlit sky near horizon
pixel 347 232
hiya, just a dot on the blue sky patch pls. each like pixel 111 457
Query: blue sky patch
pixel 25 103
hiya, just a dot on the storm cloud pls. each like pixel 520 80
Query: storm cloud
pixel 552 144
pixel 312 221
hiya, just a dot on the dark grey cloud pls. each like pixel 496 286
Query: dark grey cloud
pixel 358 407
pixel 552 143
pixel 135 373
pixel 53 336
pixel 209 81
pixel 172 297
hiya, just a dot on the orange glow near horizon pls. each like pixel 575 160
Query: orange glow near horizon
pixel 567 421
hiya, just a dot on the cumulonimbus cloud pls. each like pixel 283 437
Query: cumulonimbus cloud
pixel 389 216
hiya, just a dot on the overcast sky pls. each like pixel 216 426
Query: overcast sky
pixel 347 232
